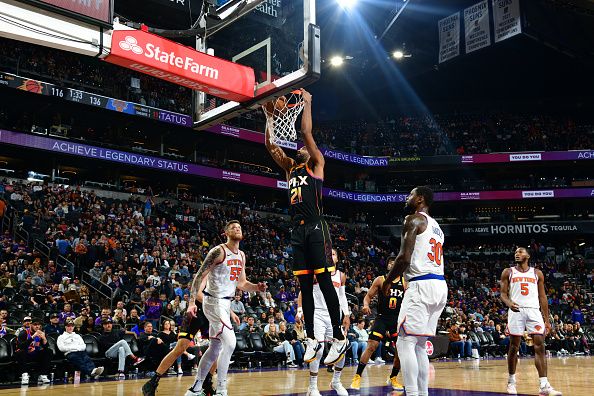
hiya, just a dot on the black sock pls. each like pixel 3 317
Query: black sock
pixel 207 380
pixel 155 378
pixel 307 302
pixel 331 298
pixel 360 368
pixel 395 371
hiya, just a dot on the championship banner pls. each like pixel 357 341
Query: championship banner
pixel 449 37
pixel 506 18
pixel 476 27
pixel 178 64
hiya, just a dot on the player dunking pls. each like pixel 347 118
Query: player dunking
pixel 310 237
pixel 323 329
pixel 421 261
pixel 523 291
pixel 385 324
pixel 224 270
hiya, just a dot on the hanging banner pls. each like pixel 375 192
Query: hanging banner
pixel 476 27
pixel 449 37
pixel 506 17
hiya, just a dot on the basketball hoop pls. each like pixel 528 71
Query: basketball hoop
pixel 281 115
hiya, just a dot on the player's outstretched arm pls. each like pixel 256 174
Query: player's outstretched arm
pixel 505 291
pixel 277 153
pixel 542 298
pixel 245 285
pixel 372 292
pixel 411 228
pixel 306 130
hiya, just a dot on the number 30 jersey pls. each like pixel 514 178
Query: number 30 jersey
pixel 523 288
pixel 222 279
pixel 427 257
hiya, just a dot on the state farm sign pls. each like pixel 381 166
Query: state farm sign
pixel 178 64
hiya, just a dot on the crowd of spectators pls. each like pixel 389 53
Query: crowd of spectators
pixel 92 75
pixel 145 259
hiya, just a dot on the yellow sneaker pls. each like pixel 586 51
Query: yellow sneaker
pixel 397 386
pixel 356 384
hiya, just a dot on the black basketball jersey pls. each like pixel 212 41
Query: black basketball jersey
pixel 389 306
pixel 305 194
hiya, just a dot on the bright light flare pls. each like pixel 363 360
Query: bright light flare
pixel 336 61
pixel 398 54
pixel 346 4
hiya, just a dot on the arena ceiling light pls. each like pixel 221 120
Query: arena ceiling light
pixel 346 4
pixel 400 54
pixel 336 61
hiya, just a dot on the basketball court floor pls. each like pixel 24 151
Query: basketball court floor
pixel 573 376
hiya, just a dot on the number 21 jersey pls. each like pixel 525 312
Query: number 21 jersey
pixel 427 257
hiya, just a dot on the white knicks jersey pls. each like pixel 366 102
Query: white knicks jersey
pixel 319 302
pixel 523 288
pixel 222 279
pixel 427 257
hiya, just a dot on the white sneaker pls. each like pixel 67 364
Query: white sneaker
pixel 340 390
pixel 222 392
pixel 291 365
pixel 97 371
pixel 313 392
pixel 43 379
pixel 311 349
pixel 190 356
pixel 337 351
pixel 180 371
pixel 25 379
pixel 511 389
pixel 379 360
pixel 549 391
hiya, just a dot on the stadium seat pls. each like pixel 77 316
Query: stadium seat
pixel 131 340
pixel 259 348
pixel 243 353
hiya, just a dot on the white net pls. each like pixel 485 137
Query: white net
pixel 282 115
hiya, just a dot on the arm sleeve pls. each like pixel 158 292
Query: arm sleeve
pixel 344 305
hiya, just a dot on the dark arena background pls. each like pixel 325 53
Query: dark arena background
pixel 131 132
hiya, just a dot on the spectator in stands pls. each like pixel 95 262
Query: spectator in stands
pixel 268 301
pixel 39 279
pixel 114 346
pixel 32 347
pixel 133 319
pixel 4 331
pixel 25 327
pixel 270 324
pixel 251 326
pixel 458 343
pixel 276 344
pixel 105 314
pixel 237 306
pixel 358 337
pixel 82 319
pixel 67 313
pixel 54 325
pixel 152 345
pixel 7 280
pixel 291 337
pixel 75 350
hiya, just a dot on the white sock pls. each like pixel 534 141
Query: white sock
pixel 543 382
pixel 423 362
pixel 408 362
pixel 313 381
pixel 511 379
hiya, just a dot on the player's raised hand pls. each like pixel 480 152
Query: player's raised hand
pixel 262 286
pixel 366 310
pixel 306 96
